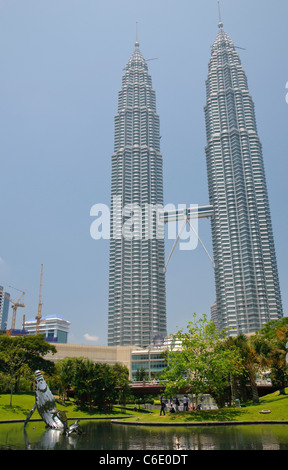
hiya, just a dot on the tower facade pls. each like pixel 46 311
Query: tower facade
pixel 246 276
pixel 137 297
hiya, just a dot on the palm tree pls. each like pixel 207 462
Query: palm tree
pixel 64 377
pixel 271 343
pixel 250 365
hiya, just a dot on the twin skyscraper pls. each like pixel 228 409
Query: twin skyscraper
pixel 246 275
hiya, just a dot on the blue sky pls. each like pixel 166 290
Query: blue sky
pixel 61 68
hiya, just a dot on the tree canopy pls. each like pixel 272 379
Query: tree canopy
pixel 204 363
pixel 93 383
pixel 272 345
pixel 23 354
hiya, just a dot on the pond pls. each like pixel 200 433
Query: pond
pixel 105 435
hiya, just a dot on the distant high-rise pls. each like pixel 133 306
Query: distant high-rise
pixel 246 277
pixel 137 297
pixel 4 308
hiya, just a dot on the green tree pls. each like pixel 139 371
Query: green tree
pixel 249 353
pixel 82 382
pixel 22 353
pixel 122 382
pixel 105 392
pixel 94 384
pixel 203 364
pixel 272 344
pixel 63 377
pixel 141 374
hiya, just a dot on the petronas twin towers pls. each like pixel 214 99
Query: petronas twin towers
pixel 246 277
pixel 137 297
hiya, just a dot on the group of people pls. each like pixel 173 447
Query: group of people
pixel 174 405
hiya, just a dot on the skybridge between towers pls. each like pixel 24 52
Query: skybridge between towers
pixel 186 214
pixel 197 212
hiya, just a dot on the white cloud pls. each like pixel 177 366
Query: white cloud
pixel 90 337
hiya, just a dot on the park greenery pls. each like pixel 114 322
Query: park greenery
pixel 91 384
pixel 213 362
pixel 19 358
pixel 208 361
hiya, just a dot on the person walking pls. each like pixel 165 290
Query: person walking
pixel 185 403
pixel 162 410
pixel 177 404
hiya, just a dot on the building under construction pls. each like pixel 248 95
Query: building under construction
pixel 54 328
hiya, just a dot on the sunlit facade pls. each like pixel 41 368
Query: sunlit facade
pixel 246 276
pixel 137 297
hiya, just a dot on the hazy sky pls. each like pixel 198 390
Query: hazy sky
pixel 61 68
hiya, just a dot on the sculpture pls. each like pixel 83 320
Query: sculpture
pixel 47 409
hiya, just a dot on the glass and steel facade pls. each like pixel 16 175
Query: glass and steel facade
pixel 153 360
pixel 137 297
pixel 246 276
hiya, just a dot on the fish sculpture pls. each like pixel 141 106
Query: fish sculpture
pixel 47 409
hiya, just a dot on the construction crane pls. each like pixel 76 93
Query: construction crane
pixel 14 307
pixel 39 313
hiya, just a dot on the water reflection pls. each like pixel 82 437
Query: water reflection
pixel 104 435
pixel 51 439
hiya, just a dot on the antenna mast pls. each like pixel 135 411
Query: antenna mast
pixel 137 42
pixel 220 24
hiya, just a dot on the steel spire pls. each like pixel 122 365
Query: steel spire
pixel 220 24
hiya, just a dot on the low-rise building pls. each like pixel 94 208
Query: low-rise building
pixel 108 354
pixel 54 328
pixel 152 359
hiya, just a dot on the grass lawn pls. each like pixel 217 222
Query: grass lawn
pixel 22 404
pixel 277 404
